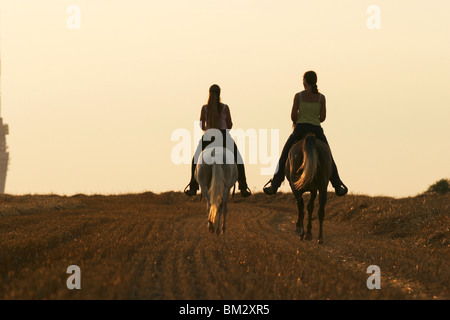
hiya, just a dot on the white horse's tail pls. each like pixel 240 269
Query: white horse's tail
pixel 216 190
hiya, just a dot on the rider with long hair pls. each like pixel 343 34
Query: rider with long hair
pixel 308 111
pixel 216 115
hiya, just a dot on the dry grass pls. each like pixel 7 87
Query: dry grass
pixel 156 246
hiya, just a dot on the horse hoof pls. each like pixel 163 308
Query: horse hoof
pixel 211 227
pixel 308 236
pixel 301 233
pixel 320 241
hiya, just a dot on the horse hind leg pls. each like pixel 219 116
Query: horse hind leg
pixel 224 226
pixel 310 208
pixel 218 228
pixel 211 227
pixel 322 202
pixel 208 211
pixel 301 213
pixel 223 215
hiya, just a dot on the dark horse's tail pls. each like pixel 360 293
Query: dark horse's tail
pixel 310 163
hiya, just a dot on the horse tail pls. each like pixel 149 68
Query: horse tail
pixel 310 163
pixel 216 190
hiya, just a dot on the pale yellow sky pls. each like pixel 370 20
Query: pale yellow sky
pixel 92 110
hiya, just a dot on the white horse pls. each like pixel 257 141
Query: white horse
pixel 216 173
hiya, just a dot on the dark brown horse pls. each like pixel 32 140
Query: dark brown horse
pixel 308 168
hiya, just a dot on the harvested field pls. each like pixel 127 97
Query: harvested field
pixel 157 246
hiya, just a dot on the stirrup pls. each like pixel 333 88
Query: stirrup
pixel 341 190
pixel 190 192
pixel 246 192
pixel 271 190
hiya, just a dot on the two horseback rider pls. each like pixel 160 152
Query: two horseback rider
pixel 308 112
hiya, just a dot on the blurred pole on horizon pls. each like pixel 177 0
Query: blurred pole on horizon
pixel 4 129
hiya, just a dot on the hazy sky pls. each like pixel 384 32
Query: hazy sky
pixel 92 110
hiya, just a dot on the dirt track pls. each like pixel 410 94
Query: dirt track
pixel 151 246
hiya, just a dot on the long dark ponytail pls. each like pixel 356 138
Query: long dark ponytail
pixel 214 108
pixel 311 79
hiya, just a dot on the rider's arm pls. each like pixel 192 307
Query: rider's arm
pixel 323 109
pixel 294 112
pixel 203 118
pixel 228 117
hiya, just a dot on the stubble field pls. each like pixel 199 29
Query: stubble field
pixel 157 246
